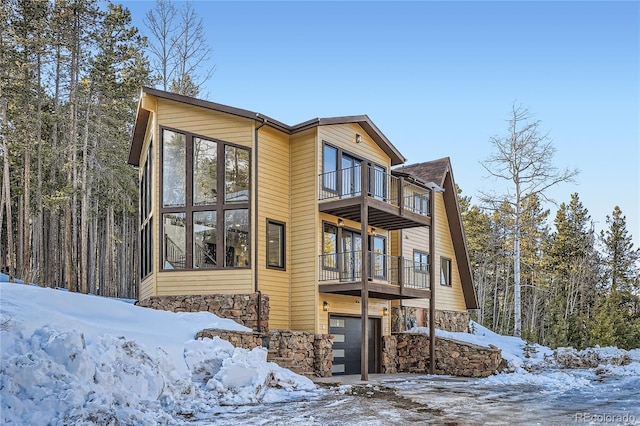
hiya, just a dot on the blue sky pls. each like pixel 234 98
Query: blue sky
pixel 439 79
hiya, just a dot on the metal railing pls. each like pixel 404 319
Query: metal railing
pixel 347 267
pixel 347 183
pixel 173 254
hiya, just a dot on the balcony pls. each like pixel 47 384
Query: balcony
pixel 391 202
pixel 390 277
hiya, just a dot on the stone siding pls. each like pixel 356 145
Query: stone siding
pixel 301 352
pixel 242 308
pixel 409 353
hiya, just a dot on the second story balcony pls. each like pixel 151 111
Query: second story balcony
pixel 390 277
pixel 392 202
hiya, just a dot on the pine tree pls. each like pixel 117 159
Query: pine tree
pixel 617 318
pixel 571 262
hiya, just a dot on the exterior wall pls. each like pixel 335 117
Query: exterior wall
pixel 274 187
pixel 147 286
pixel 303 231
pixel 344 136
pixel 250 310
pixel 448 298
pixel 350 305
pixel 210 124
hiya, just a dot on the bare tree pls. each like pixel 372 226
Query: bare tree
pixel 179 48
pixel 161 22
pixel 523 158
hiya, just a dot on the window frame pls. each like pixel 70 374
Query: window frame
pixel 446 266
pixel 282 249
pixel 421 267
pixel 372 172
pixel 221 206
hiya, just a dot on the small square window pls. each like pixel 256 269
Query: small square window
pixel 275 245
pixel 445 271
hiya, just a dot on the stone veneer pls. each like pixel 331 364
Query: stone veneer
pixel 299 351
pixel 242 308
pixel 444 320
pixel 409 353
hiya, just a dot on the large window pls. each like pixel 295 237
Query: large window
pixel 275 245
pixel 445 271
pixel 146 220
pixel 342 174
pixel 205 202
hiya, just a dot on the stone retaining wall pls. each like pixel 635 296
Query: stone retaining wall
pixel 301 352
pixel 409 353
pixel 242 308
pixel 405 317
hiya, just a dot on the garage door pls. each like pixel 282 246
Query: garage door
pixel 347 343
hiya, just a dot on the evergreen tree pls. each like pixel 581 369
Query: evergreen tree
pixel 617 318
pixel 571 262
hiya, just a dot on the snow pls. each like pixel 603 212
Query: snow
pixel 68 358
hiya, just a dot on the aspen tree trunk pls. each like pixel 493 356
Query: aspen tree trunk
pixel 7 194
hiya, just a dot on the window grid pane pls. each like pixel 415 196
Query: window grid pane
pixel 173 169
pixel 236 175
pixel 236 238
pixel 205 165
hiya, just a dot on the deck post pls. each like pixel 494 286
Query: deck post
pixel 364 293
pixel 432 287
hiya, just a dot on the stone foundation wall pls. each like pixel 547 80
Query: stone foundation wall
pixel 301 352
pixel 406 317
pixel 409 353
pixel 242 308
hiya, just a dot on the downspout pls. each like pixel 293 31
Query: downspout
pixel 255 212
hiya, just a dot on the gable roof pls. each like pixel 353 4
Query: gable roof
pixel 439 172
pixel 142 119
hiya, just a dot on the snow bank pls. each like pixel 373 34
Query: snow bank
pixel 75 359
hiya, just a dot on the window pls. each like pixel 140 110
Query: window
pixel 146 221
pixel 377 182
pixel 379 260
pixel 330 168
pixel 421 204
pixel 205 202
pixel 421 261
pixel 342 175
pixel 275 245
pixel 330 247
pixel 445 271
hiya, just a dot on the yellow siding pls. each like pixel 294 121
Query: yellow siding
pixel 304 229
pixel 273 200
pixel 205 122
pixel 447 298
pixel 148 285
pixel 204 282
pixel 350 305
pixel 344 136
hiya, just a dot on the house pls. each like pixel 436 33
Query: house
pixel 317 216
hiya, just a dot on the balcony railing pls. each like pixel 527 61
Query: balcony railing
pixel 347 183
pixel 394 270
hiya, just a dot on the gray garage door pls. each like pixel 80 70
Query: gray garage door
pixel 348 342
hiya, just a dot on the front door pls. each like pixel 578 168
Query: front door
pixel 347 343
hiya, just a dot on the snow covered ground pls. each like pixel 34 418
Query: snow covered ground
pixel 68 358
